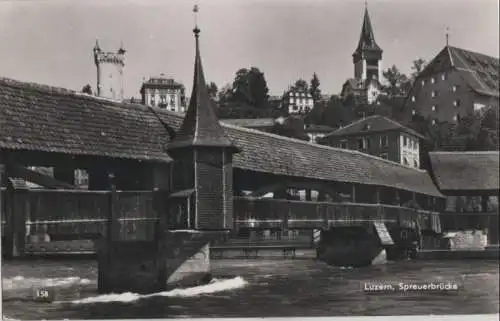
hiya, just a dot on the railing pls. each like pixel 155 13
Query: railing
pixel 273 213
pixel 73 214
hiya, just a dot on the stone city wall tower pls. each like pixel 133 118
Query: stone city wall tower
pixel 110 67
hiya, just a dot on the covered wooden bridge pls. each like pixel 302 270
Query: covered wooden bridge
pixel 131 154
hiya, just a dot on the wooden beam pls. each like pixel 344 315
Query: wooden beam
pixel 267 189
pixel 38 178
pixel 377 194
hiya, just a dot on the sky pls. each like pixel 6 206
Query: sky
pixel 51 41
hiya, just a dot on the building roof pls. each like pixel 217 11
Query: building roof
pixel 251 122
pixel 43 118
pixel 200 126
pixel 313 128
pixel 367 38
pixel 481 72
pixel 465 171
pixel 372 124
pixel 161 83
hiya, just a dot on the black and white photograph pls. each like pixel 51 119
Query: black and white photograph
pixel 173 159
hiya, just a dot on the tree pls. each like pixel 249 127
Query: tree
pixel 250 87
pixel 291 127
pixel 314 88
pixel 334 113
pixel 87 89
pixel 212 90
pixel 301 85
pixel 398 83
pixel 417 66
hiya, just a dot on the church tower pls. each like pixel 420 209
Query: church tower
pixel 203 154
pixel 368 56
pixel 110 67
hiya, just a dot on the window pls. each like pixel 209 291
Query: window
pixel 343 144
pixel 478 106
pixel 443 76
pixel 384 156
pixel 362 143
pixel 423 83
pixel 434 122
pixel 434 108
pixel 454 88
pixel 384 141
pixel 433 80
pixel 434 94
pixel 405 141
pixel 413 98
pixel 456 117
pixel 367 143
pixel 413 112
pixel 456 103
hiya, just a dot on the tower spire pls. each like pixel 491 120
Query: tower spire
pixel 200 126
pixel 447 35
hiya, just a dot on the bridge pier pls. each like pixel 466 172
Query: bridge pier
pixel 354 246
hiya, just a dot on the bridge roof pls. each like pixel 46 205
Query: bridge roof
pixel 42 118
pixel 466 171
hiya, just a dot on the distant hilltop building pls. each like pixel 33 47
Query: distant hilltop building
pixel 110 67
pixel 297 101
pixel 164 93
pixel 367 59
pixel 455 83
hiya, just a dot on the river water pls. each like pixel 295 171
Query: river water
pixel 254 288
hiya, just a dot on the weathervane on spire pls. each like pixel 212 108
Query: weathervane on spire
pixel 447 35
pixel 366 4
pixel 196 30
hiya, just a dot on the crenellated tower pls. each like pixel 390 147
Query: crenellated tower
pixel 110 67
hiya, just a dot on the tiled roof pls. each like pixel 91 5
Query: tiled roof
pixel 43 118
pixel 250 122
pixel 466 171
pixel 269 153
pixel 49 119
pixel 200 126
pixel 483 70
pixel 367 38
pixel 313 128
pixel 372 124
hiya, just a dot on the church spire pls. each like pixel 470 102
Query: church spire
pixel 200 126
pixel 367 38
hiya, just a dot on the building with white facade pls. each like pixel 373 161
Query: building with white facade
pixel 164 93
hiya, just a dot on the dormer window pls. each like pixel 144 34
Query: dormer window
pixel 367 127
